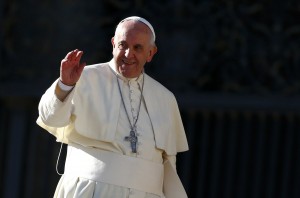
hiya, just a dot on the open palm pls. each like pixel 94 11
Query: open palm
pixel 71 68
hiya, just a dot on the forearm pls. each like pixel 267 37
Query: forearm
pixel 171 159
pixel 55 106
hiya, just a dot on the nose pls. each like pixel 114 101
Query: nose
pixel 129 53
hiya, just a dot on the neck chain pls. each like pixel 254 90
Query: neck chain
pixel 132 138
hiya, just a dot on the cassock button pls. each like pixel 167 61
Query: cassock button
pixel 131 192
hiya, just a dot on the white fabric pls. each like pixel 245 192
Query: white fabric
pixel 84 185
pixel 78 187
pixel 172 187
pixel 64 87
pixel 121 170
pixel 106 126
pixel 98 87
pixel 146 144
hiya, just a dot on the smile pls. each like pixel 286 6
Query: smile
pixel 128 63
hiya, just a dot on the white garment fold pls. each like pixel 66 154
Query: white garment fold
pixel 111 168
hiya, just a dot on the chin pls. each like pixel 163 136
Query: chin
pixel 128 75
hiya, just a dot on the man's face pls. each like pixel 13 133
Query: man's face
pixel 132 48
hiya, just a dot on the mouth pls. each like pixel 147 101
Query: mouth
pixel 126 62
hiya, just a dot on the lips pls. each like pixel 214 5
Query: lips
pixel 127 62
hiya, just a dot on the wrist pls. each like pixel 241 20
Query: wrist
pixel 64 87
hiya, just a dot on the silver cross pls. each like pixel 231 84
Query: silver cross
pixel 133 139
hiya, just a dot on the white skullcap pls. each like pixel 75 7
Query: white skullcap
pixel 141 20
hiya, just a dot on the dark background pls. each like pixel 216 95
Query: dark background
pixel 232 65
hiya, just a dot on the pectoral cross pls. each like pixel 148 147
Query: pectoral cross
pixel 133 139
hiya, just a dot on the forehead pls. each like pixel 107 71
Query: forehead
pixel 133 30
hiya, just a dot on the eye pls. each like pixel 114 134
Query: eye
pixel 122 46
pixel 138 48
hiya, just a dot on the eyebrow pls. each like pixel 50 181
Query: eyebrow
pixel 134 46
pixel 138 45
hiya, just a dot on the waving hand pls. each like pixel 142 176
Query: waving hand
pixel 71 68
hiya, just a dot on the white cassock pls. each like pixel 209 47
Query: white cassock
pixel 93 122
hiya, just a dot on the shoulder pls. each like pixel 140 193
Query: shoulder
pixel 157 87
pixel 95 70
pixel 96 74
pixel 94 67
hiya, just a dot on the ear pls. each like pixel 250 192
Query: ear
pixel 152 51
pixel 113 42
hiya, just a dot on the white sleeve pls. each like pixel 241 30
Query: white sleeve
pixel 54 112
pixel 171 159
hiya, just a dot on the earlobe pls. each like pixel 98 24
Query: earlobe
pixel 113 42
pixel 151 54
pixel 149 57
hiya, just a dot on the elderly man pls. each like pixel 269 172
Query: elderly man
pixel 123 128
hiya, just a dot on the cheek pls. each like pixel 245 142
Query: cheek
pixel 116 52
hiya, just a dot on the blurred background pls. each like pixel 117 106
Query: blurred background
pixel 234 67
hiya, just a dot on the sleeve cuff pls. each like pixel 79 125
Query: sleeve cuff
pixel 64 87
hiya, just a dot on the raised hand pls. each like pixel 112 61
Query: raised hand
pixel 71 68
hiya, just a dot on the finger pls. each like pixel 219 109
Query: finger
pixel 63 61
pixel 78 55
pixel 73 55
pixel 70 55
pixel 66 64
